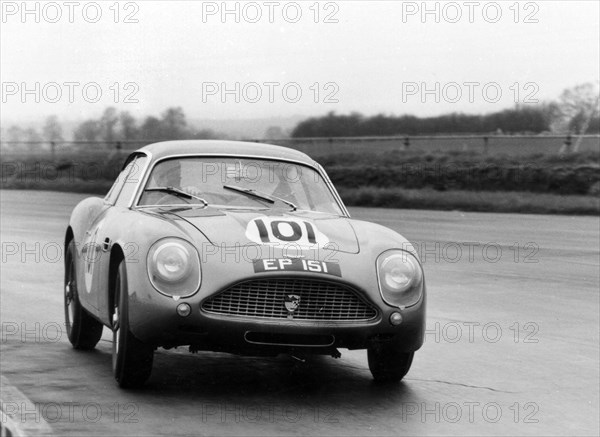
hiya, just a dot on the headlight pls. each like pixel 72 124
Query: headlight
pixel 174 267
pixel 400 278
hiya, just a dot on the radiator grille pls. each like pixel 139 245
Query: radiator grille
pixel 265 298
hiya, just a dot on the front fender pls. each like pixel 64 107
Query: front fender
pixel 133 232
pixel 83 216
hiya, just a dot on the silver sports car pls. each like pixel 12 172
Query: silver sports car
pixel 237 247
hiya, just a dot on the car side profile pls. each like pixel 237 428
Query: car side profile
pixel 237 247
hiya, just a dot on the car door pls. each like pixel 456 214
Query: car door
pixel 110 228
pixel 97 240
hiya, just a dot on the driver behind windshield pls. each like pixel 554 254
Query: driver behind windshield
pixel 168 174
pixel 239 182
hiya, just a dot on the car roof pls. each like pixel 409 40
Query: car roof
pixel 165 149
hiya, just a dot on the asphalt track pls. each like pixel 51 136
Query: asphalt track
pixel 512 345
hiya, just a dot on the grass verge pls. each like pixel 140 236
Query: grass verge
pixel 482 201
pixel 92 187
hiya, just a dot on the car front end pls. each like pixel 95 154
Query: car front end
pixel 253 299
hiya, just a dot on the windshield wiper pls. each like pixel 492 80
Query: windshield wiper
pixel 177 192
pixel 259 195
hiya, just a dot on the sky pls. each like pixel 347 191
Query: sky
pixel 246 60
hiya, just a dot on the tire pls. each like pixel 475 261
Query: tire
pixel 131 358
pixel 83 330
pixel 387 363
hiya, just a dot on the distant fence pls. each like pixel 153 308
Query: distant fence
pixel 482 144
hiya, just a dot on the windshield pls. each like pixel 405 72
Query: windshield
pixel 238 183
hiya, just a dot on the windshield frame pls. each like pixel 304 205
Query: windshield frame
pixel 317 168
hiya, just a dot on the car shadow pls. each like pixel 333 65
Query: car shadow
pixel 227 378
pixel 218 388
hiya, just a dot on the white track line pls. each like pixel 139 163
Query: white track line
pixel 19 414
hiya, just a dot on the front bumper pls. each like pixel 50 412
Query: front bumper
pixel 154 320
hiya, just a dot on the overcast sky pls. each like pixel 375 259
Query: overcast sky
pixel 370 57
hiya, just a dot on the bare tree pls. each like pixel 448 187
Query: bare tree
pixel 128 126
pixel 174 124
pixel 576 108
pixel 108 124
pixel 151 129
pixel 52 131
pixel 14 135
pixel 274 133
pixel 33 138
pixel 89 130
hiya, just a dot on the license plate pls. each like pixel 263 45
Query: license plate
pixel 296 265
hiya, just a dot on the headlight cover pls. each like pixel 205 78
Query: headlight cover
pixel 400 278
pixel 174 267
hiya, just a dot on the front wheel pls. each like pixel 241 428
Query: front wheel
pixel 83 330
pixel 387 363
pixel 131 358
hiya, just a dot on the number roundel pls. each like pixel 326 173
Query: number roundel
pixel 265 230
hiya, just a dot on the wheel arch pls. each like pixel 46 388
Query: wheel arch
pixel 69 236
pixel 117 254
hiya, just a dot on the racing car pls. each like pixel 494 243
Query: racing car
pixel 237 247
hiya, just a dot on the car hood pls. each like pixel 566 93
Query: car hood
pixel 306 229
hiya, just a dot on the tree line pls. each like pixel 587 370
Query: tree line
pixel 511 121
pixel 122 126
pixel 114 126
pixel 575 111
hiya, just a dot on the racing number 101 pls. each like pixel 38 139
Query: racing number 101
pixel 297 232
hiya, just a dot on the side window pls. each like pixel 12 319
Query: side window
pixel 113 194
pixel 132 181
